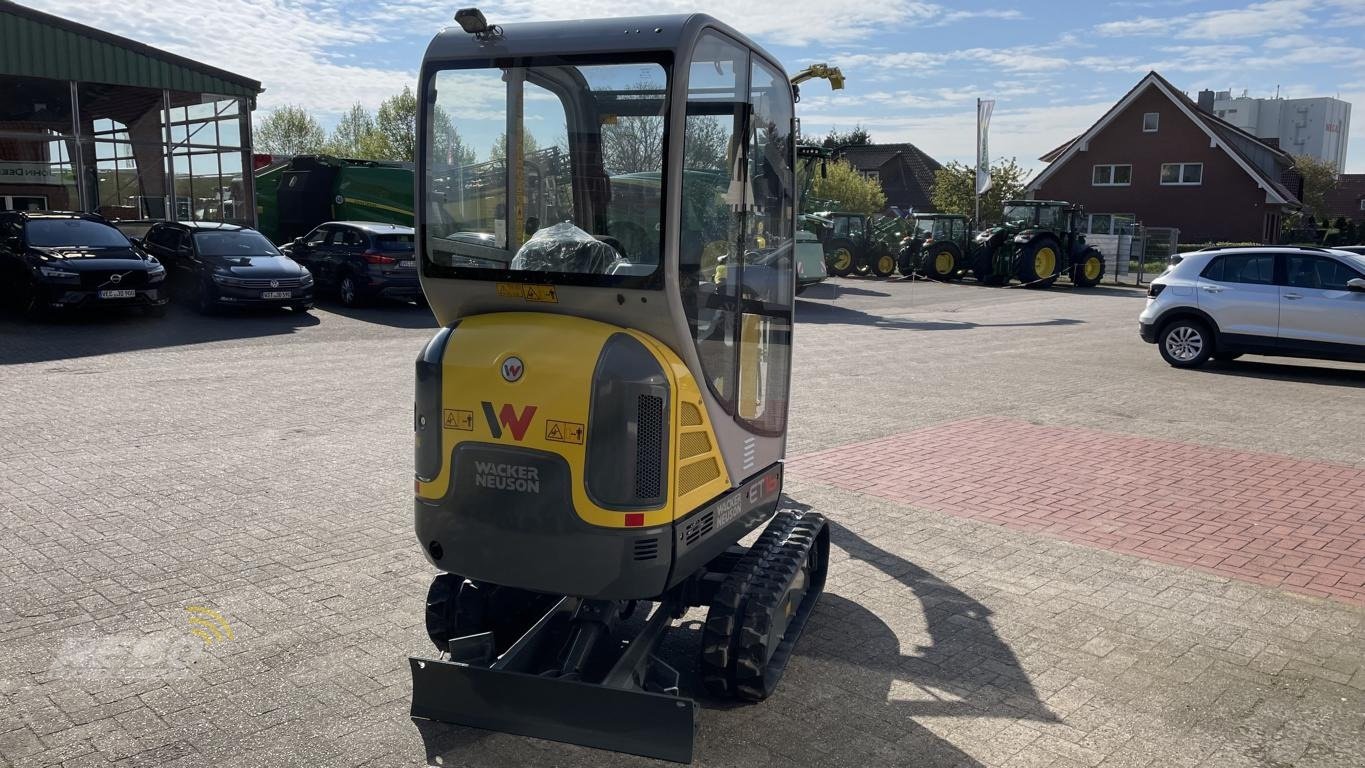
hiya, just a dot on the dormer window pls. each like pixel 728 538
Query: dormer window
pixel 1150 122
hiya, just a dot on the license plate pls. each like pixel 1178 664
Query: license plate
pixel 121 293
pixel 407 264
pixel 276 294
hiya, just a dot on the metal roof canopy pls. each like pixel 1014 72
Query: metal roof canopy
pixel 36 44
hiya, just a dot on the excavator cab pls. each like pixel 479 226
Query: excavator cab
pixel 606 216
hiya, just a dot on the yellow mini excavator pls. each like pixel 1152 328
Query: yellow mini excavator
pixel 606 217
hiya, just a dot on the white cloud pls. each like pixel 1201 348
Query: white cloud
pixel 1258 20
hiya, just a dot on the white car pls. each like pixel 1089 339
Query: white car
pixel 1263 300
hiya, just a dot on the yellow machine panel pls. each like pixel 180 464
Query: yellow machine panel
pixel 524 379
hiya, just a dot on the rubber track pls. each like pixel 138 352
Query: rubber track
pixel 736 659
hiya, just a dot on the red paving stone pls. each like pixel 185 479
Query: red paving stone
pixel 1277 520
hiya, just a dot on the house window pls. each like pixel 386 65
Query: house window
pixel 872 176
pixel 1182 174
pixel 1109 223
pixel 1150 121
pixel 1112 176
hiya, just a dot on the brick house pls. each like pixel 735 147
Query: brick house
pixel 1157 158
pixel 1347 199
pixel 904 171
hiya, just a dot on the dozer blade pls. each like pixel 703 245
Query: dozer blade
pixel 624 720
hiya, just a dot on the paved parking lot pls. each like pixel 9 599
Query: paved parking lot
pixel 967 444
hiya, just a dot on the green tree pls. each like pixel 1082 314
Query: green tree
pixel 955 185
pixel 396 122
pixel 1319 179
pixel 289 130
pixel 498 151
pixel 353 136
pixel 847 189
pixel 855 138
pixel 449 147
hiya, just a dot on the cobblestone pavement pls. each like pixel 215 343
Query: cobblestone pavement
pixel 1271 519
pixel 258 466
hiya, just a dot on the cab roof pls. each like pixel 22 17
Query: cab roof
pixel 627 34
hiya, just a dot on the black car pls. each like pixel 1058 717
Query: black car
pixel 219 265
pixel 361 260
pixel 58 261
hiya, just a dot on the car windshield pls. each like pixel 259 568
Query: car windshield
pixel 242 242
pixel 73 233
pixel 1022 214
pixel 394 242
pixel 553 167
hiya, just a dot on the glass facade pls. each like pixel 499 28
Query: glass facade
pixel 125 152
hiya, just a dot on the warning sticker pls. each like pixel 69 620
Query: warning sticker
pixel 542 293
pixel 463 420
pixel 564 431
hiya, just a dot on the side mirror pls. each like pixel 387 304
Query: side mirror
pixel 137 242
pixel 1356 285
pixel 298 242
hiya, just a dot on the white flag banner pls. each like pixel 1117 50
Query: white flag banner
pixel 984 107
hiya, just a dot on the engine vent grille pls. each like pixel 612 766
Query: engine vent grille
pixel 694 476
pixel 692 444
pixel 699 528
pixel 649 418
pixel 691 417
pixel 646 549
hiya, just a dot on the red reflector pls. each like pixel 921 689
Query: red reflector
pixel 375 257
pixel 635 519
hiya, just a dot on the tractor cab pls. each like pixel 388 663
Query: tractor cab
pixel 1037 241
pixel 936 246
pixel 606 222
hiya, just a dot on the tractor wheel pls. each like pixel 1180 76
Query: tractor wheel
pixel 905 262
pixel 983 268
pixel 1037 263
pixel 1089 270
pixel 839 256
pixel 941 262
pixel 883 264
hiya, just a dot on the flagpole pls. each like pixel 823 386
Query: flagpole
pixel 976 172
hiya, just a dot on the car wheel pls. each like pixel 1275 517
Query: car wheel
pixel 1185 343
pixel 348 291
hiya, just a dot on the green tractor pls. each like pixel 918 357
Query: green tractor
pixel 858 243
pixel 937 247
pixel 1037 242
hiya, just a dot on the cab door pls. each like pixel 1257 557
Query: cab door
pixel 1238 291
pixel 1315 305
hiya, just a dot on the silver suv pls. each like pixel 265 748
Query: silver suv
pixel 1263 300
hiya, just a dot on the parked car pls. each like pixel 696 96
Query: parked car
pixel 219 265
pixel 57 261
pixel 361 260
pixel 1264 300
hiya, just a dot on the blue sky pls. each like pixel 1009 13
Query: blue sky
pixel 914 68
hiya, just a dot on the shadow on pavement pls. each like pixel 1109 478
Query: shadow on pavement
pixel 1305 374
pixel 832 291
pixel 391 313
pixel 966 670
pixel 821 314
pixel 87 334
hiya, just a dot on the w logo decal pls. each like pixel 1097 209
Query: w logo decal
pixel 508 418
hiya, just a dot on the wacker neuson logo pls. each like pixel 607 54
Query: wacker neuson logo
pixel 506 477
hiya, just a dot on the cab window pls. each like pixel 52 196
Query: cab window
pixel 1319 272
pixel 1253 268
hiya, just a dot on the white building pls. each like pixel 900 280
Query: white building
pixel 1315 127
